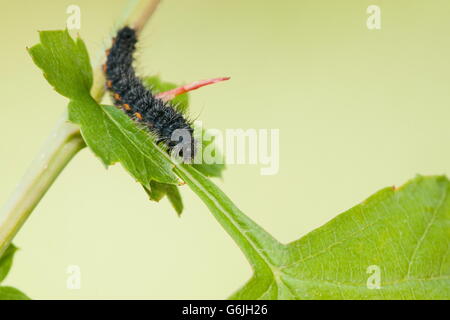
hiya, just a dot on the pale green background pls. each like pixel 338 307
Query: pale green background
pixel 357 110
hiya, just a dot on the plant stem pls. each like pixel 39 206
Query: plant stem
pixel 62 145
pixel 143 12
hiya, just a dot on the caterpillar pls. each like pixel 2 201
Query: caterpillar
pixel 129 93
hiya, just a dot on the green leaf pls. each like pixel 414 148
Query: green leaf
pixel 108 131
pixel 65 63
pixel 6 261
pixel 10 293
pixel 157 191
pixel 404 234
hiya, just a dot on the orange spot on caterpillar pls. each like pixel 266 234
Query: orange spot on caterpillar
pixel 107 52
pixel 109 83
pixel 138 115
pixel 117 96
pixel 127 107
pixel 104 67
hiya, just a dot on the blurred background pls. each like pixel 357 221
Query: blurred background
pixel 357 109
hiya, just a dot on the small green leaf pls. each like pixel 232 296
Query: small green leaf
pixel 10 293
pixel 6 261
pixel 65 63
pixel 157 191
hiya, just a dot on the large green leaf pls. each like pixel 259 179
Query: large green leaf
pixel 9 293
pixel 404 234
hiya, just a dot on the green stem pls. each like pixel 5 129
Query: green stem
pixel 256 243
pixel 63 144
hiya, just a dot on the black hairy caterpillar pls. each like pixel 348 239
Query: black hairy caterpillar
pixel 129 93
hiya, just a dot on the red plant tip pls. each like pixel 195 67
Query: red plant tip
pixel 169 95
